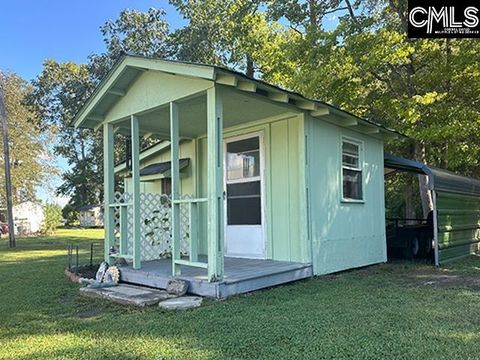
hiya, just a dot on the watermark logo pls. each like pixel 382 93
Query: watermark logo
pixel 444 19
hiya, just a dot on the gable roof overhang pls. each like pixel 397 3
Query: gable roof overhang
pixel 129 67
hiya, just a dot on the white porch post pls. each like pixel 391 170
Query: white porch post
pixel 215 184
pixel 175 173
pixel 109 193
pixel 136 191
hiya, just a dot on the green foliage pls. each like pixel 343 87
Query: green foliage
pixel 234 33
pixel 429 89
pixel 62 88
pixel 30 156
pixel 71 215
pixel 392 311
pixel 53 218
pixel 426 88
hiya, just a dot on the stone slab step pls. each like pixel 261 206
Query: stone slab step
pixel 127 295
pixel 181 303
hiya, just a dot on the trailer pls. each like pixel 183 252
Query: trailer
pixel 454 223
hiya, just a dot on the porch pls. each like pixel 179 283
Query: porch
pixel 240 275
pixel 226 139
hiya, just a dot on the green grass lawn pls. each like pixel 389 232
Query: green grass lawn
pixel 397 311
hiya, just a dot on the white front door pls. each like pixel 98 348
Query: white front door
pixel 244 234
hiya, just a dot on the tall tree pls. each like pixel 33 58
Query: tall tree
pixel 234 33
pixel 30 156
pixel 428 89
pixel 62 88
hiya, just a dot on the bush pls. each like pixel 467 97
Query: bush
pixel 71 215
pixel 53 218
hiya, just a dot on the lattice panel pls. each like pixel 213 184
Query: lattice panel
pixel 155 225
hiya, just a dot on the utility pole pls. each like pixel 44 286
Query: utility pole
pixel 6 159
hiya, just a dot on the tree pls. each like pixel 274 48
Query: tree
pixel 53 218
pixel 365 63
pixel 62 88
pixel 425 88
pixel 234 33
pixel 30 156
pixel 71 215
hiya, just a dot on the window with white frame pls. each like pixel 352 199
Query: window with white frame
pixel 351 170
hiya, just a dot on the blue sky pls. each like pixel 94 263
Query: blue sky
pixel 66 30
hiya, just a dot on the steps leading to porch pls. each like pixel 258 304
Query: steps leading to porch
pixel 241 276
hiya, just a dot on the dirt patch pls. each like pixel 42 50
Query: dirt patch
pixel 447 280
pixel 87 272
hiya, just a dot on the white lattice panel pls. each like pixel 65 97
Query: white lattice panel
pixel 155 225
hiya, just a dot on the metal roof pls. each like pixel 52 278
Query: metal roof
pixel 441 180
pixel 162 168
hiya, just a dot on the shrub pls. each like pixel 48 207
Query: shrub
pixel 53 218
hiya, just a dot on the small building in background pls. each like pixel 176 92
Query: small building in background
pixel 91 216
pixel 28 218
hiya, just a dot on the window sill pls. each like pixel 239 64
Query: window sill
pixel 353 201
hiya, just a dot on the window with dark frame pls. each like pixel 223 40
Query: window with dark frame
pixel 351 171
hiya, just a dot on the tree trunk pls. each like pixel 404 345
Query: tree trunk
pixel 409 203
pixel 250 70
pixel 425 195
pixel 312 9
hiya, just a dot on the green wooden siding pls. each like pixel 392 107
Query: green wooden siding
pixel 287 197
pixel 458 224
pixel 344 235
pixel 284 184
pixel 187 180
pixel 153 89
pixel 284 192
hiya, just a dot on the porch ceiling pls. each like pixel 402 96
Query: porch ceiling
pixel 238 108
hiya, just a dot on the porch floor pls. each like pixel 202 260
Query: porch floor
pixel 241 275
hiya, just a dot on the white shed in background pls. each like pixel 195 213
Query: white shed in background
pixel 28 218
pixel 91 216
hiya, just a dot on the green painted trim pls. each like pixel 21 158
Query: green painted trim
pixel 143 64
pixel 308 186
pixel 109 191
pixel 136 193
pixel 228 78
pixel 99 92
pixel 215 184
pixel 193 215
pixel 175 169
pixel 302 187
pixel 123 230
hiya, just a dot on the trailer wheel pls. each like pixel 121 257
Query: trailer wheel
pixel 426 246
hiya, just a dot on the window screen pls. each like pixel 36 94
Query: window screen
pixel 243 203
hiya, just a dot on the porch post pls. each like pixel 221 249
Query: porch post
pixel 109 192
pixel 136 191
pixel 215 184
pixel 175 173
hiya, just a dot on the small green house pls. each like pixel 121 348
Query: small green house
pixel 248 186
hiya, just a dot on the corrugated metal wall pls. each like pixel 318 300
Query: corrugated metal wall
pixel 458 224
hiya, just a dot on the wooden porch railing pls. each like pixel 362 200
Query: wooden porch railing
pixel 193 238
